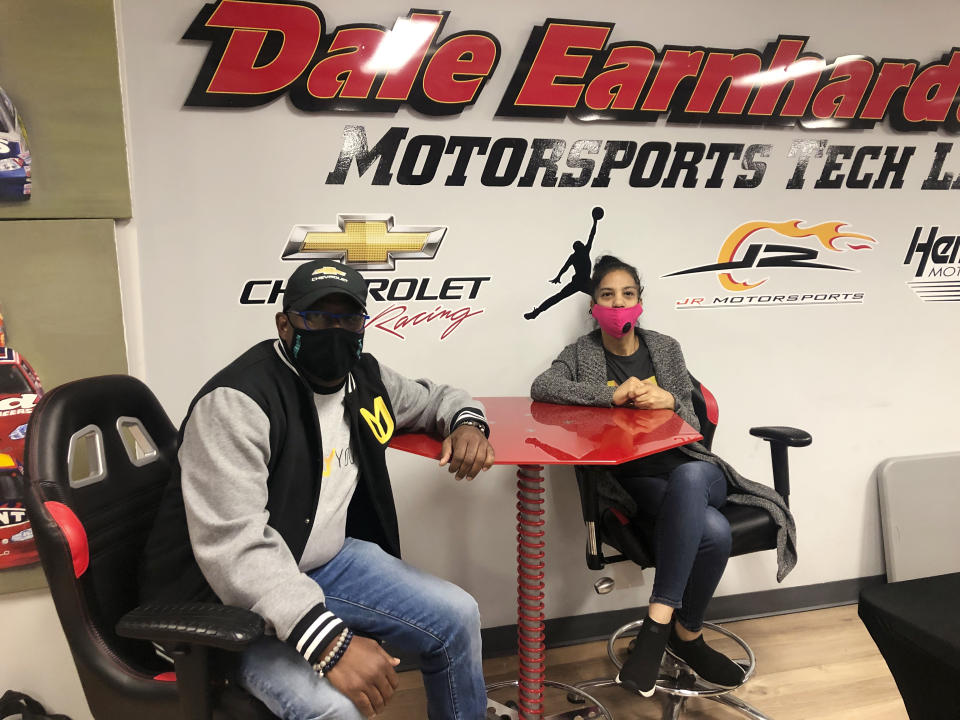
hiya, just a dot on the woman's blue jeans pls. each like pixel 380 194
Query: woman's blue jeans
pixel 377 594
pixel 692 538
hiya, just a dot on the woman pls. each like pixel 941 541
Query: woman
pixel 681 490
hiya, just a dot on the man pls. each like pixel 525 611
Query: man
pixel 281 503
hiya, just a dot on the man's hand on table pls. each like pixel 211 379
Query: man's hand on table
pixel 468 451
pixel 366 675
pixel 642 395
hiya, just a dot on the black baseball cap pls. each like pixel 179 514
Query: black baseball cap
pixel 319 278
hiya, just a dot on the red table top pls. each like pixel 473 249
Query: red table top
pixel 524 432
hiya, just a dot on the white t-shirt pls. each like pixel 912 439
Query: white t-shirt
pixel 338 483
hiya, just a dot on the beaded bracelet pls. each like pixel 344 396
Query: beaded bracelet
pixel 334 646
pixel 336 652
pixel 340 652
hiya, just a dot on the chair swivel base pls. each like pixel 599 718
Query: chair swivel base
pixel 594 711
pixel 677 682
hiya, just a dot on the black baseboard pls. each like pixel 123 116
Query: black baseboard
pixel 502 640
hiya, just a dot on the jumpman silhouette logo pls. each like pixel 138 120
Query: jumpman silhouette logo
pixel 579 260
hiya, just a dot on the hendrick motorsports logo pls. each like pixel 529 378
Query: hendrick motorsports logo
pixel 366 242
pixel 937 262
pixel 373 242
pixel 737 256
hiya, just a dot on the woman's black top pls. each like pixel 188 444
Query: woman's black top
pixel 639 365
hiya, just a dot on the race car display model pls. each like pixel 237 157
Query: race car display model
pixel 15 171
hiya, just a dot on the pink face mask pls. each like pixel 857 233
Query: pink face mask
pixel 617 321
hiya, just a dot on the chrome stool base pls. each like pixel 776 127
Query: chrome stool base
pixel 594 711
pixel 677 682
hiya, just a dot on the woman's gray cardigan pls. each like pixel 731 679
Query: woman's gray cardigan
pixel 579 377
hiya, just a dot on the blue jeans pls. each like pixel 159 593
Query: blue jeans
pixel 377 594
pixel 692 538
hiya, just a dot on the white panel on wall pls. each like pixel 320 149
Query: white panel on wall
pixel 859 357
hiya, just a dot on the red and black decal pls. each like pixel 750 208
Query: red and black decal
pixel 262 50
pixel 568 70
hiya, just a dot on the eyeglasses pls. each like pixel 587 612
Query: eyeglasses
pixel 320 320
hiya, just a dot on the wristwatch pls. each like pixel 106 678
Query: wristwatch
pixel 478 424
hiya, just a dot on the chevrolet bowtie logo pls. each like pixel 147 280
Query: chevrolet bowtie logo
pixel 365 242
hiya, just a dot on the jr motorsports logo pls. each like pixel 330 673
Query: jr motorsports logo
pixel 759 252
pixel 375 243
pixel 936 264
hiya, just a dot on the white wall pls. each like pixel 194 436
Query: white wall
pixel 217 192
pixel 41 666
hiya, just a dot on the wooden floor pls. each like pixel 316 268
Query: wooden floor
pixel 817 665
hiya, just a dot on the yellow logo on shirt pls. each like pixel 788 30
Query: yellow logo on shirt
pixel 652 379
pixel 380 422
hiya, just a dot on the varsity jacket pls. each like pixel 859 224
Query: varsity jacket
pixel 578 376
pixel 251 480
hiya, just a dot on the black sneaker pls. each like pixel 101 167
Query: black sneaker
pixel 708 664
pixel 642 667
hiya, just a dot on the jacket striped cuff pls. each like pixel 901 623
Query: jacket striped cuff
pixel 470 413
pixel 314 632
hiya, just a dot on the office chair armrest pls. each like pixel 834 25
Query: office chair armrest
pixel 188 631
pixel 780 438
pixel 791 436
pixel 208 624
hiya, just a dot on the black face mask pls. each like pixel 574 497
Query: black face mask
pixel 327 354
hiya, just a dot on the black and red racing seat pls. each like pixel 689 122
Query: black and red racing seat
pixel 97 459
